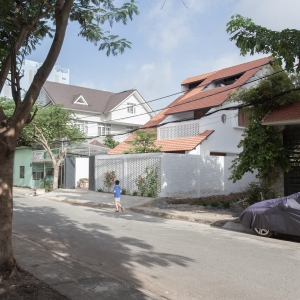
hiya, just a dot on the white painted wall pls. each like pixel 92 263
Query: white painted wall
pixel 182 175
pixel 225 137
pixel 81 168
pixel 140 117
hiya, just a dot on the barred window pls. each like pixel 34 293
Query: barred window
pixel 37 175
pixel 22 171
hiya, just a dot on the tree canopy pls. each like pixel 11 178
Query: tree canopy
pixel 283 45
pixel 23 26
pixel 143 142
pixel 110 142
pixel 261 145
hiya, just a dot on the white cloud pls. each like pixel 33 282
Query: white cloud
pixel 172 25
pixel 273 14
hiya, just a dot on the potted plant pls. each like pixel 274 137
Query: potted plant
pixel 83 182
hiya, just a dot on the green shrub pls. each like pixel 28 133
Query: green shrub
pixel 226 204
pixel 258 191
pixel 149 184
pixel 100 190
pixel 215 204
pixel 124 191
pixel 134 193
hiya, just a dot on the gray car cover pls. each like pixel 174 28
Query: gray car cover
pixel 281 215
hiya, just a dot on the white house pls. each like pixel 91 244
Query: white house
pixel 196 122
pixel 29 69
pixel 99 113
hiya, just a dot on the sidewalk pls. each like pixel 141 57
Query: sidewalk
pixel 136 204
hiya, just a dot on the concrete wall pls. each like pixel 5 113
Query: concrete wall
pixel 182 175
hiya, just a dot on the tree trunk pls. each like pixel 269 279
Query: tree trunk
pixel 55 175
pixel 7 260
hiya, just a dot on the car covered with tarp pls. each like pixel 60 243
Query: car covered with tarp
pixel 279 215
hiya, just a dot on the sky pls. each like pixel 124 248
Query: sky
pixel 171 41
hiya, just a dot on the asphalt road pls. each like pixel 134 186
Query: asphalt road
pixel 167 258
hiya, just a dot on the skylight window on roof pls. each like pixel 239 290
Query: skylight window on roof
pixel 195 84
pixel 228 80
pixel 80 100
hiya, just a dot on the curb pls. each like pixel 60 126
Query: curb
pixel 219 223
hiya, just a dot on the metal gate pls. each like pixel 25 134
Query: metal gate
pixel 291 140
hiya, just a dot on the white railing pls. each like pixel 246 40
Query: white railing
pixel 42 155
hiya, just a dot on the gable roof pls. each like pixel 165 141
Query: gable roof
pixel 97 101
pixel 198 98
pixel 283 116
pixel 170 145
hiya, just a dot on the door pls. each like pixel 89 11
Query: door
pixel 291 140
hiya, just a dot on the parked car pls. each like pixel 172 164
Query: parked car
pixel 280 215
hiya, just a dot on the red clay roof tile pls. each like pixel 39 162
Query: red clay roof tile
pixel 287 114
pixel 170 145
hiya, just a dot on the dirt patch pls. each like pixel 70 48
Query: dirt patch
pixel 222 205
pixel 209 199
pixel 27 287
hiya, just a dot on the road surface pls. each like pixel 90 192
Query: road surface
pixel 167 258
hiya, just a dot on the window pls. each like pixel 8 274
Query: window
pixel 104 129
pixel 37 175
pixel 198 114
pixel 82 126
pixel 107 129
pixel 22 171
pixel 37 171
pixel 131 108
pixel 223 119
pixel 242 119
pixel 80 100
pixel 101 130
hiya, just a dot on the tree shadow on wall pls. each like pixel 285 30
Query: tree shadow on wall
pixel 211 174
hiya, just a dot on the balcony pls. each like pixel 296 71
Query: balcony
pixel 43 156
pixel 181 130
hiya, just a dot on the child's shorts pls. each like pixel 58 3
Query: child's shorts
pixel 117 199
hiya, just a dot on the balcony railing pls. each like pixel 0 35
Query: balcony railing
pixel 42 155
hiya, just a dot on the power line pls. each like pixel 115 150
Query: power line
pixel 183 120
pixel 261 101
pixel 160 98
pixel 201 97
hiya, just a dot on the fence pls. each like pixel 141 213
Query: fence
pixel 180 175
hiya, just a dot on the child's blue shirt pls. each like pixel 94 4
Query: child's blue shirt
pixel 117 190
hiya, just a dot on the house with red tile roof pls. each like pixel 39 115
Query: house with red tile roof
pixel 202 121
pixel 99 113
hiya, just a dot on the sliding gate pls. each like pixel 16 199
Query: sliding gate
pixel 292 142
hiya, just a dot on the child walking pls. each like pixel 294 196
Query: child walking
pixel 117 195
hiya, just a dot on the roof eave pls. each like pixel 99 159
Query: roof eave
pixel 282 122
